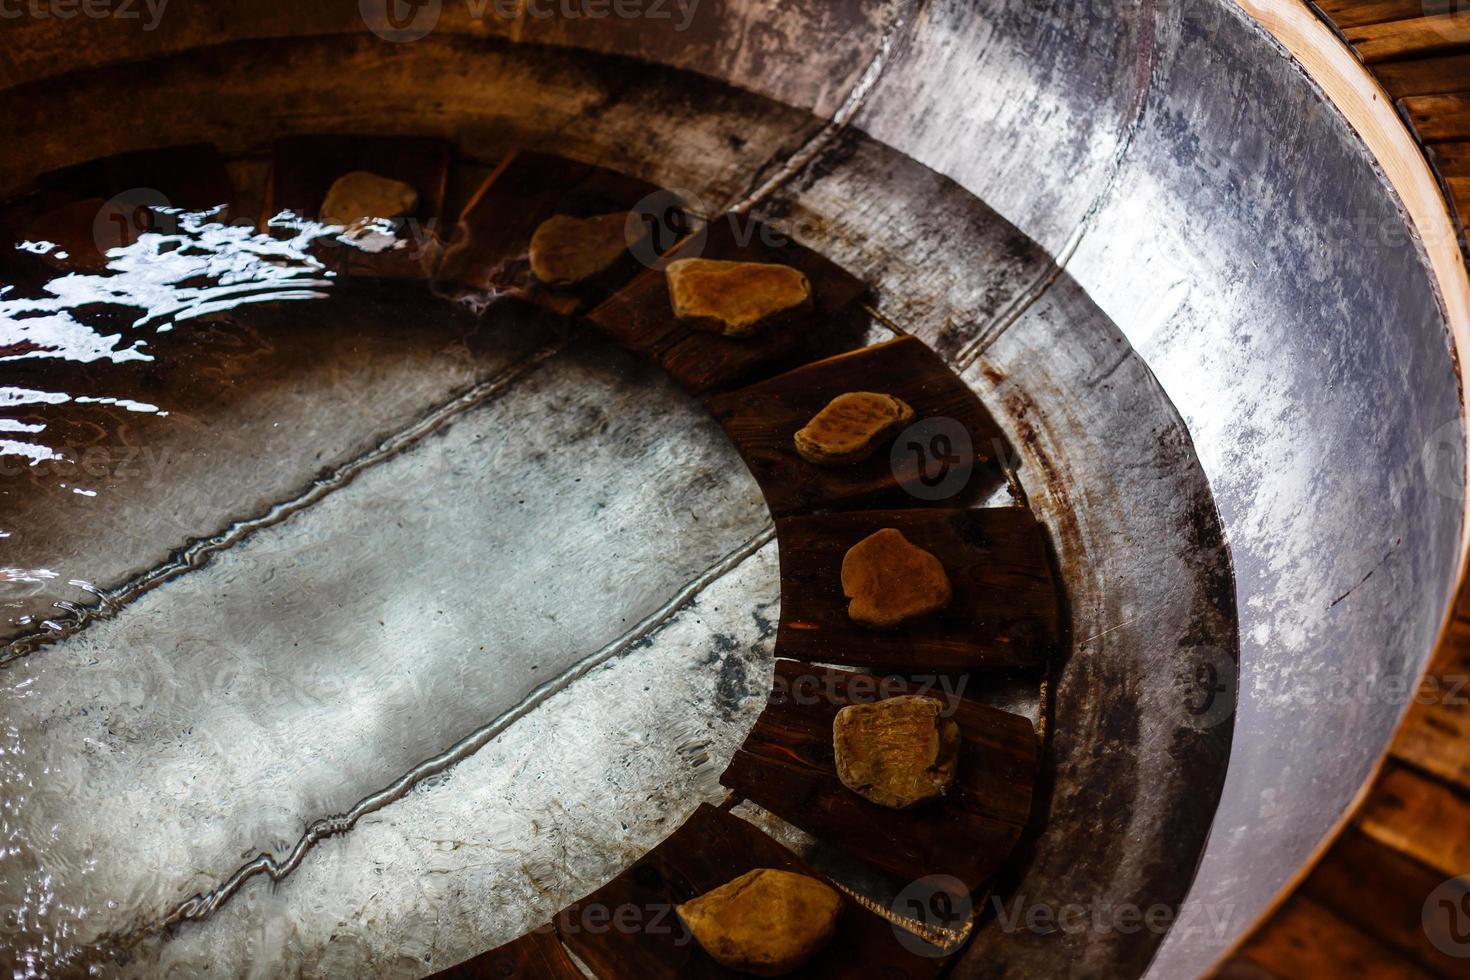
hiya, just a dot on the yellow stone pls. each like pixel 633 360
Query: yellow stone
pixel 898 753
pixel 767 922
pixel 889 580
pixel 851 427
pixel 567 250
pixel 359 194
pixel 735 298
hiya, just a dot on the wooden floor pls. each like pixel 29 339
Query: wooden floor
pixel 1369 907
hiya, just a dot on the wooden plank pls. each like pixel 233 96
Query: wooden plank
pixel 1382 893
pixel 1355 13
pixel 1425 76
pixel 1452 160
pixel 628 928
pixel 1459 189
pixel 1438 117
pixel 191 176
pixel 538 955
pixel 1305 939
pixel 763 418
pixel 1420 817
pixel 91 207
pixel 1414 36
pixel 303 169
pixel 489 252
pixel 640 317
pixel 1005 611
pixel 787 766
pixel 1435 735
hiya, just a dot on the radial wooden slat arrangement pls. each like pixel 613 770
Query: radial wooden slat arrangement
pixel 1006 612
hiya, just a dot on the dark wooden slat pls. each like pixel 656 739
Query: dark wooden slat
pixel 628 928
pixel 1425 76
pixel 492 239
pixel 191 176
pixel 1356 13
pixel 1382 893
pixel 538 955
pixel 1435 734
pixel 640 317
pixel 763 418
pixel 1005 611
pixel 93 206
pixel 1308 940
pixel 786 765
pixel 1452 160
pixel 1405 38
pixel 303 169
pixel 1439 117
pixel 1459 188
pixel 1420 817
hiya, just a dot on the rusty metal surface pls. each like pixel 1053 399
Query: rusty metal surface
pixel 1238 315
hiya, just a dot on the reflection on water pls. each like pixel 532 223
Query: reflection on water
pixel 196 268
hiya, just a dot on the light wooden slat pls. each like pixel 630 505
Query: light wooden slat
pixel 1439 117
pixel 1420 817
pixel 1308 940
pixel 1402 38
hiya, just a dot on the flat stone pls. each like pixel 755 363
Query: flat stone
pixel 567 250
pixel 766 922
pixel 360 194
pixel 851 427
pixel 735 298
pixel 898 753
pixel 890 580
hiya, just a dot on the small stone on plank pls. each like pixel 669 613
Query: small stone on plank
pixel 897 753
pixel 890 580
pixel 851 427
pixel 766 922
pixel 735 299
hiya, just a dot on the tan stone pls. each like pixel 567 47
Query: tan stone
pixel 359 194
pixel 898 753
pixel 567 250
pixel 735 298
pixel 890 580
pixel 851 427
pixel 766 922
